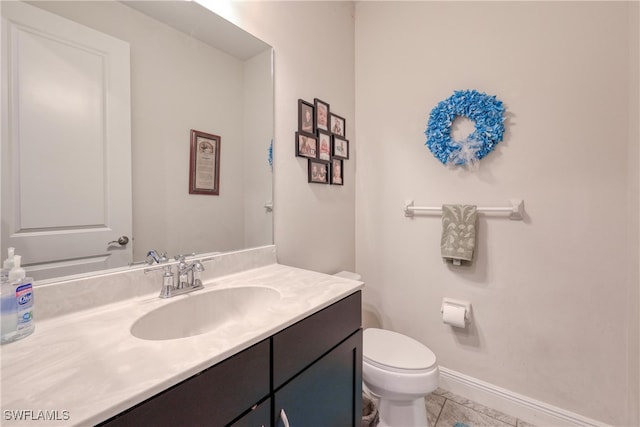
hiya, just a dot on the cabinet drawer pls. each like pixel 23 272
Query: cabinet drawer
pixel 301 344
pixel 213 397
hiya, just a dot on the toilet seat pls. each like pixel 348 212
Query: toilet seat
pixel 395 352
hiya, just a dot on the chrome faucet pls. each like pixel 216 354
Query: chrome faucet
pixel 187 275
pixel 183 273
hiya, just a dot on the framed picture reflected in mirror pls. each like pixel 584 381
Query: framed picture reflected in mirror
pixel 204 164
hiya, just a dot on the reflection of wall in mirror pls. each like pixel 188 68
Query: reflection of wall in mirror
pixel 258 177
pixel 171 69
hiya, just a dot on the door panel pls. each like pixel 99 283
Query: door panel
pixel 66 143
pixel 328 393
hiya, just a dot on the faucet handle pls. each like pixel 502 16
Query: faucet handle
pixel 197 269
pixel 167 280
pixel 182 257
pixel 167 283
pixel 153 256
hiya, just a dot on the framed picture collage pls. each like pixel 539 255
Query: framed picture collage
pixel 321 140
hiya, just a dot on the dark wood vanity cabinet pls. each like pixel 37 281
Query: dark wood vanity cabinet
pixel 311 372
pixel 214 397
pixel 317 368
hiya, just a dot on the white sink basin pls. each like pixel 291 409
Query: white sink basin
pixel 199 313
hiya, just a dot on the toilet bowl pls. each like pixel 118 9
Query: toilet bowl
pixel 399 371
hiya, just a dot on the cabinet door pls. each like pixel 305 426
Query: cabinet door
pixel 212 398
pixel 328 393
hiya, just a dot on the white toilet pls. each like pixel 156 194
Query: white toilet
pixel 400 372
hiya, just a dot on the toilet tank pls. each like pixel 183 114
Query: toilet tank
pixel 370 316
pixel 349 275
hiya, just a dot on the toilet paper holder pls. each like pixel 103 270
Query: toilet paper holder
pixel 458 303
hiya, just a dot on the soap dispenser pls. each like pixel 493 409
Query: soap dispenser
pixel 17 304
pixel 8 311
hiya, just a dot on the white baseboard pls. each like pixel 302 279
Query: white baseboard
pixel 522 407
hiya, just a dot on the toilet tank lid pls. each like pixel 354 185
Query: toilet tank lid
pixel 348 275
pixel 395 350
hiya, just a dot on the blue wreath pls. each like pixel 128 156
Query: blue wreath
pixel 487 113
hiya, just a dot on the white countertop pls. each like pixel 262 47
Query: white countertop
pixel 86 367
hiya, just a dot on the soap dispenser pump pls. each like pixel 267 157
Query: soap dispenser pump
pixel 7 265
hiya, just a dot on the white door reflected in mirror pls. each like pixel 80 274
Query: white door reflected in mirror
pixel 70 143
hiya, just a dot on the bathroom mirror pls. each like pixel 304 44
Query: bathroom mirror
pixel 177 67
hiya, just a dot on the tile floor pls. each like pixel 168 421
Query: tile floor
pixel 445 409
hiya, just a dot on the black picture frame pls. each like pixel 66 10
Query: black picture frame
pixel 321 118
pixel 306 116
pixel 340 147
pixel 324 145
pixel 305 148
pixel 338 125
pixel 318 172
pixel 337 172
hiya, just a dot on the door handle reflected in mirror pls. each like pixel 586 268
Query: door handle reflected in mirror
pixel 122 241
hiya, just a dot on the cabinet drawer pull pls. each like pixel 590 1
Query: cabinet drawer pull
pixel 283 417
